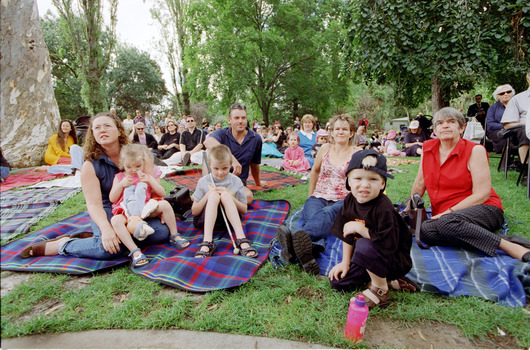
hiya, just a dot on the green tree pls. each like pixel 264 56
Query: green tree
pixel 92 46
pixel 435 47
pixel 136 81
pixel 172 18
pixel 258 50
pixel 67 85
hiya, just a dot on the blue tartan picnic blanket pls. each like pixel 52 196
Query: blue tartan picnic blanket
pixel 179 269
pixel 446 271
pixel 20 209
pixel 10 253
pixel 168 265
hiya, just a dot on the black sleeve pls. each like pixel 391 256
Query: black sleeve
pixel 151 141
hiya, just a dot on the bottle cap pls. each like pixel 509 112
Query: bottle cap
pixel 359 301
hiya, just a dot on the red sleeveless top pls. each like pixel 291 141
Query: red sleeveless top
pixel 451 182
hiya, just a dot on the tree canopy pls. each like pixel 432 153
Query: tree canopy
pixel 268 52
pixel 135 82
pixel 436 47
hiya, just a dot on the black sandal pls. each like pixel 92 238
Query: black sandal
pixel 202 254
pixel 244 251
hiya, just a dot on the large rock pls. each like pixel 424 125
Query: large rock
pixel 28 114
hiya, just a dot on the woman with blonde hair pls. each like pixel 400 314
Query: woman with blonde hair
pixel 308 136
pixel 327 190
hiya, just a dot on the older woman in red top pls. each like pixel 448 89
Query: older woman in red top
pixel 466 210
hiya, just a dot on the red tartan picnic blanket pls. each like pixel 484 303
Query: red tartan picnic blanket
pixel 274 179
pixel 26 178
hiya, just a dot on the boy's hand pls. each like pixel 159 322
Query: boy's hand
pixel 355 228
pixel 339 271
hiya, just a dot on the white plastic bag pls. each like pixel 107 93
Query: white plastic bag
pixel 474 131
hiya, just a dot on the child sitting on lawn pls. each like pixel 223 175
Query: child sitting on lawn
pixel 294 158
pixel 322 138
pixel 131 194
pixel 391 145
pixel 224 189
pixel 376 240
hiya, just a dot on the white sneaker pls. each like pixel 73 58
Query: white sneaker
pixel 149 207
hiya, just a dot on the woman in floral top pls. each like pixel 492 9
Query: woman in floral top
pixel 327 191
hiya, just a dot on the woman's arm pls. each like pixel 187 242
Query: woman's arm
pixel 315 171
pixel 116 190
pixel 419 183
pixel 92 192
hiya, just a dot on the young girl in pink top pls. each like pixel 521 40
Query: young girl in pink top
pixel 391 145
pixel 294 158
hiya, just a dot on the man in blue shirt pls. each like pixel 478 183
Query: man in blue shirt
pixel 244 144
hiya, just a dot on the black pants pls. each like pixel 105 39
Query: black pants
pixel 469 228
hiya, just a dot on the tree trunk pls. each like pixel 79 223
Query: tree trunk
pixel 440 96
pixel 29 114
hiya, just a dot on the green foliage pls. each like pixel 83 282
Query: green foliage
pixel 82 23
pixel 64 69
pixel 172 18
pixel 452 45
pixel 136 81
pixel 270 52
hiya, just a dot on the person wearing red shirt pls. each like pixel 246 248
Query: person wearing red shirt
pixel 466 210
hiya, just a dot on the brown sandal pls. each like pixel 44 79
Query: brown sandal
pixel 375 297
pixel 404 284
pixel 38 249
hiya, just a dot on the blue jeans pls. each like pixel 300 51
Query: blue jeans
pixel 76 153
pixel 319 215
pixel 134 198
pixel 93 247
pixel 4 172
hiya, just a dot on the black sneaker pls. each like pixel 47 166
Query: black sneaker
pixel 303 249
pixel 283 234
pixel 186 159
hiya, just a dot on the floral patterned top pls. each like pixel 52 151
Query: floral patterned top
pixel 331 184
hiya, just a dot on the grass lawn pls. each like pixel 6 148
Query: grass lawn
pixel 286 304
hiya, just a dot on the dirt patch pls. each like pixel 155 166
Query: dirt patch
pixel 46 308
pixel 309 293
pixel 12 279
pixel 180 294
pixel 429 335
pixel 77 282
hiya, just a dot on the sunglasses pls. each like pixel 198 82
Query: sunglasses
pixel 238 106
pixel 139 129
pixel 504 92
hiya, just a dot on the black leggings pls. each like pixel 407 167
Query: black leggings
pixel 471 227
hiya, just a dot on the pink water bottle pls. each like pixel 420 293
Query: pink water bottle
pixel 356 323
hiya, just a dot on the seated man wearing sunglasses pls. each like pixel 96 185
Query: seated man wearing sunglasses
pixel 244 144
